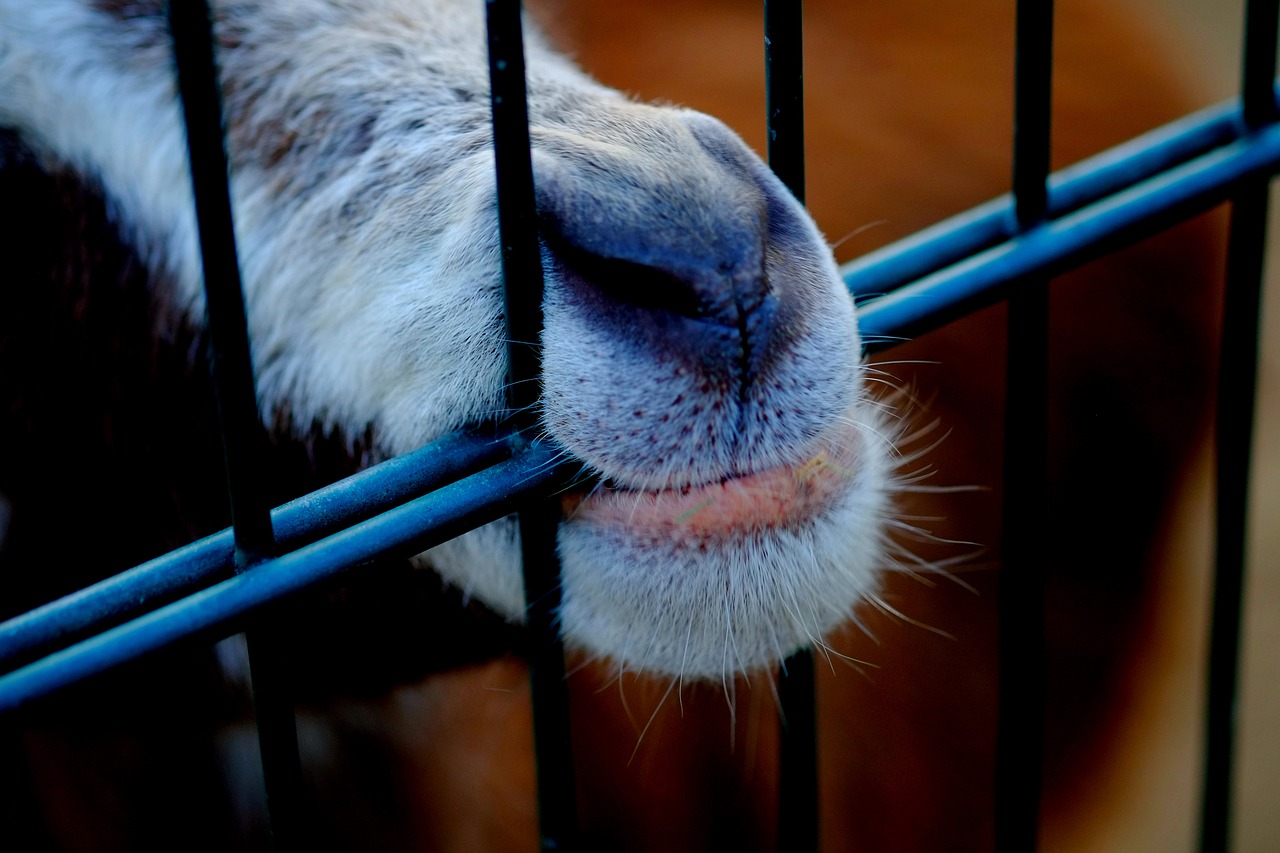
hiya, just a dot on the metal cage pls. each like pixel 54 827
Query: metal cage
pixel 1007 249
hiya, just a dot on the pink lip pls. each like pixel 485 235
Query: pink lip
pixel 783 496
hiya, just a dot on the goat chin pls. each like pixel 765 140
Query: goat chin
pixel 758 486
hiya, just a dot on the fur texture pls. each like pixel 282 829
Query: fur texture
pixel 908 121
pixel 700 350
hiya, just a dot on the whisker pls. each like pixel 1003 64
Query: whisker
pixel 861 229
pixel 888 609
pixel 640 739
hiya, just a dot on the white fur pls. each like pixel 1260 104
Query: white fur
pixel 364 193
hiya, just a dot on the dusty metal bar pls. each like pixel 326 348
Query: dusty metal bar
pixel 943 290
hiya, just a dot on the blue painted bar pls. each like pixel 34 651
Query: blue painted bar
pixel 1083 183
pixel 186 569
pixel 947 292
pixel 405 530
pixel 1068 241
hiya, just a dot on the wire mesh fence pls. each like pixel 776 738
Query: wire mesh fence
pixel 1005 250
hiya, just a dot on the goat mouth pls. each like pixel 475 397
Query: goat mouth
pixel 784 496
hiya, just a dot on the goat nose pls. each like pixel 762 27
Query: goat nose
pixel 686 238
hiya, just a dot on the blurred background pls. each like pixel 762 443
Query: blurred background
pixel 1146 798
pixel 1212 29
pixel 1152 802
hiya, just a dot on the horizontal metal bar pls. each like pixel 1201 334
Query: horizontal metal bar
pixel 1069 241
pixel 940 295
pixel 201 563
pixel 1070 189
pixel 405 530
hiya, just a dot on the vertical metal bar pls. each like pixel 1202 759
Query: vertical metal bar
pixel 784 91
pixel 798 770
pixel 1257 88
pixel 1032 115
pixel 798 737
pixel 1019 751
pixel 1019 747
pixel 1237 380
pixel 242 435
pixel 244 442
pixel 517 211
pixel 522 277
pixel 1233 440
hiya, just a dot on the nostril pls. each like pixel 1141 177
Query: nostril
pixel 629 283
pixel 670 229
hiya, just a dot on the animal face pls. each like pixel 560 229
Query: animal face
pixel 701 355
pixel 700 351
pixel 683 283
